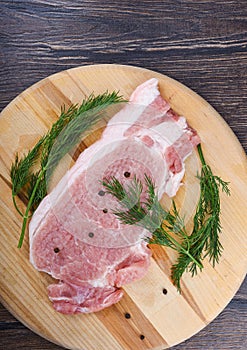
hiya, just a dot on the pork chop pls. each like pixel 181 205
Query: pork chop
pixel 73 234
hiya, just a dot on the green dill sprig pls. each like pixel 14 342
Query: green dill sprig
pixel 20 171
pixel 165 225
pixel 150 215
pixel 204 239
pixel 70 126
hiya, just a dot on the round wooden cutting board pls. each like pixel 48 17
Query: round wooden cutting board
pixel 165 319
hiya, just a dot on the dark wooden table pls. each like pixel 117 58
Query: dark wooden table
pixel 200 43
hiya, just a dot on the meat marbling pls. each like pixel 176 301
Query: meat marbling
pixel 73 234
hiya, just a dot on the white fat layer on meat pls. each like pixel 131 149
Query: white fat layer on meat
pixel 102 282
pixel 62 298
pixel 168 132
pixel 171 187
pixel 142 97
pixel 146 93
pixel 40 212
pixel 78 309
pixel 83 310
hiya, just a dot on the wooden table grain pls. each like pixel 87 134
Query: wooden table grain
pixel 201 43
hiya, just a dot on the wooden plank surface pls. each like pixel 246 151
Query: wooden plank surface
pixel 209 53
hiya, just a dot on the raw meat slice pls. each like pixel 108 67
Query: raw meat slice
pixel 69 299
pixel 90 276
pixel 75 237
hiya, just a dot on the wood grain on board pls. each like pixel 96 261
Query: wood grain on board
pixel 164 319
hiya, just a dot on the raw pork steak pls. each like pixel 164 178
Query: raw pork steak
pixel 73 234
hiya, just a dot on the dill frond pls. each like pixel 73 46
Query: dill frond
pixel 165 225
pixel 70 125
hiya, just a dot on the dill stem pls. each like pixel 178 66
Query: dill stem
pixel 199 149
pixel 16 206
pixel 178 245
pixel 30 202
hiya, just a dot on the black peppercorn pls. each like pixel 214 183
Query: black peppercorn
pixel 127 174
pixel 127 315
